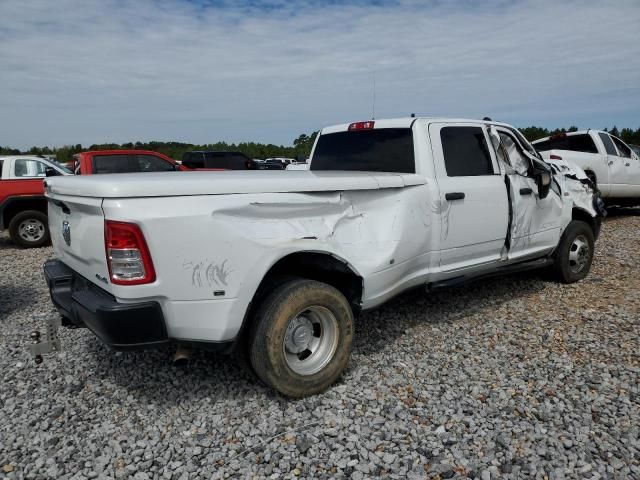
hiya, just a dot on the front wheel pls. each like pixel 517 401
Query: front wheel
pixel 29 229
pixel 574 255
pixel 302 337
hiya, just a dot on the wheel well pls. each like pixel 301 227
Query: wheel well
pixel 16 206
pixel 311 265
pixel 583 216
pixel 317 266
pixel 592 176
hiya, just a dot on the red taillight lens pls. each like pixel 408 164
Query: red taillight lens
pixel 128 256
pixel 362 125
pixel 555 157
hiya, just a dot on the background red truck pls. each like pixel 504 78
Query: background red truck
pixel 123 161
pixel 23 207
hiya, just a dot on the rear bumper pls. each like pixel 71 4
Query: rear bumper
pixel 121 326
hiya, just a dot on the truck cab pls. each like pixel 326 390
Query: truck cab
pixel 609 162
pixel 123 161
pixel 23 206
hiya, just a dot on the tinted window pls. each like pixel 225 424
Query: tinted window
pixel 544 146
pixel 110 164
pixel 193 159
pixel 29 168
pixel 623 150
pixel 576 143
pixel 608 144
pixel 465 152
pixel 382 150
pixel 227 160
pixel 151 163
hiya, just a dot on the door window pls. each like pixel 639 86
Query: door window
pixel 466 153
pixel 623 150
pixel 608 144
pixel 151 163
pixel 29 168
pixel 110 164
pixel 516 158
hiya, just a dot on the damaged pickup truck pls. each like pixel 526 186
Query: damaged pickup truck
pixel 276 263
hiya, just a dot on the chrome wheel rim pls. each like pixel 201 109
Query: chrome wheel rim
pixel 310 340
pixel 579 254
pixel 31 230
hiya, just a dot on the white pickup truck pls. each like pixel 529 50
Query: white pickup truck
pixel 607 161
pixel 280 261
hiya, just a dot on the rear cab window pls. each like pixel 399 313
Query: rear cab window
pixel 375 150
pixel 575 143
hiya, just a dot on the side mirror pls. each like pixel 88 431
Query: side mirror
pixel 543 180
pixel 50 172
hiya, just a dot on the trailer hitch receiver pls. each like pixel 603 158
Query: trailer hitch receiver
pixel 48 343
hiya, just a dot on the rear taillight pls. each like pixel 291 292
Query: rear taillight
pixel 362 125
pixel 128 256
pixel 555 157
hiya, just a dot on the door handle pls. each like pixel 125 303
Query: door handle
pixel 526 191
pixel 610 162
pixel 627 164
pixel 454 196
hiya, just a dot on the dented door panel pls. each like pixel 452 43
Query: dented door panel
pixel 535 222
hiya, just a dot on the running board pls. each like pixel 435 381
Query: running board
pixel 514 268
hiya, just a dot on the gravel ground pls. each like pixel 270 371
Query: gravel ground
pixel 508 378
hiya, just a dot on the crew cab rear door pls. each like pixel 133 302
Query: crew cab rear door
pixel 473 205
pixel 615 164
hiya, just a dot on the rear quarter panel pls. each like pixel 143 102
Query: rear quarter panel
pixel 216 249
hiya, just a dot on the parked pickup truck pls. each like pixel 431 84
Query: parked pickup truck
pixel 279 262
pixel 23 207
pixel 606 160
pixel 123 161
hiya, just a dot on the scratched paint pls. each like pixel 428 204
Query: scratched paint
pixel 206 273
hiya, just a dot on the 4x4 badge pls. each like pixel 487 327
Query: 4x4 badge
pixel 66 232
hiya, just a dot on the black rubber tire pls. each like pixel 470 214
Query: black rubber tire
pixel 19 218
pixel 267 337
pixel 561 269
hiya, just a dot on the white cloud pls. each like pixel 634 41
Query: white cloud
pixel 80 71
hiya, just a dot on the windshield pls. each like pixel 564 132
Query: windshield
pixel 61 166
pixel 378 150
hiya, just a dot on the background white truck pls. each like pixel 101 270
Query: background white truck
pixel 279 261
pixel 607 160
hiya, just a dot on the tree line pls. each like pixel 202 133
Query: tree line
pixel 300 146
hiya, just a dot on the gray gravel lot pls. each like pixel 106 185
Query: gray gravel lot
pixel 513 377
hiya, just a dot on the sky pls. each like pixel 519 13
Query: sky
pixel 98 71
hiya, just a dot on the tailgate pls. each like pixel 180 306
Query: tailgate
pixel 77 233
